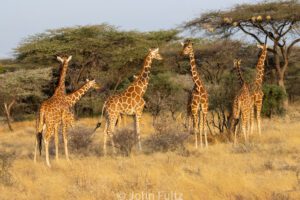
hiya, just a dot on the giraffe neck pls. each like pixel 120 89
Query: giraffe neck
pixel 144 76
pixel 60 89
pixel 195 74
pixel 260 67
pixel 75 96
pixel 240 76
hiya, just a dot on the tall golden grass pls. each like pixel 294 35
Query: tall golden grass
pixel 266 168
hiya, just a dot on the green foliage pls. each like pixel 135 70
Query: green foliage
pixel 164 94
pixel 273 99
pixel 100 52
pixel 26 87
pixel 2 70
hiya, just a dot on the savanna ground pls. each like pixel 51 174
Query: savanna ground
pixel 266 168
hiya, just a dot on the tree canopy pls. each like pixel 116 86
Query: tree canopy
pixel 277 21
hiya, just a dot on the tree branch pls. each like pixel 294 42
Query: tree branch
pixel 249 33
pixel 289 49
pixel 289 28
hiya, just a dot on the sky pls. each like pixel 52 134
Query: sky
pixel 22 18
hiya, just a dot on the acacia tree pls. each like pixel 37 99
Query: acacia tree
pixel 19 86
pixel 279 21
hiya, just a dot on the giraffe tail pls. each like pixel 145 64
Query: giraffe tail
pixel 100 119
pixel 39 128
pixel 39 138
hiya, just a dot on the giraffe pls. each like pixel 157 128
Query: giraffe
pixel 60 90
pixel 199 96
pixel 128 102
pixel 56 111
pixel 58 98
pixel 242 104
pixel 257 93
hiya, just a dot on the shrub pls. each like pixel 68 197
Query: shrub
pixel 80 140
pixel 273 100
pixel 166 139
pixel 125 139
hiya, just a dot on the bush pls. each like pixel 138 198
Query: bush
pixel 125 139
pixel 273 100
pixel 166 139
pixel 80 140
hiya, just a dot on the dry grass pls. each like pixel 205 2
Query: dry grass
pixel 267 168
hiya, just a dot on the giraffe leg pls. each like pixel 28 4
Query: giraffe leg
pixel 195 129
pixel 201 129
pixel 56 141
pixel 105 139
pixel 235 132
pixel 251 120
pixel 258 112
pixel 244 123
pixel 47 152
pixel 65 136
pixel 112 142
pixel 48 134
pixel 110 129
pixel 204 129
pixel 35 149
pixel 137 129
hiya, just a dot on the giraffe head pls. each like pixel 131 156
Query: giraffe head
pixel 64 59
pixel 92 84
pixel 187 47
pixel 262 46
pixel 237 63
pixel 155 54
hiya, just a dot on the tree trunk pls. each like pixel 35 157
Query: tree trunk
pixel 282 85
pixel 7 109
pixel 280 76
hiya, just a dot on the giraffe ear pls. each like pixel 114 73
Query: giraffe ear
pixel 87 80
pixel 69 58
pixel 59 59
pixel 156 50
pixel 182 44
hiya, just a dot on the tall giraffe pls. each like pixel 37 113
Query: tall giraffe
pixel 58 96
pixel 199 97
pixel 129 102
pixel 60 90
pixel 257 93
pixel 54 112
pixel 242 104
